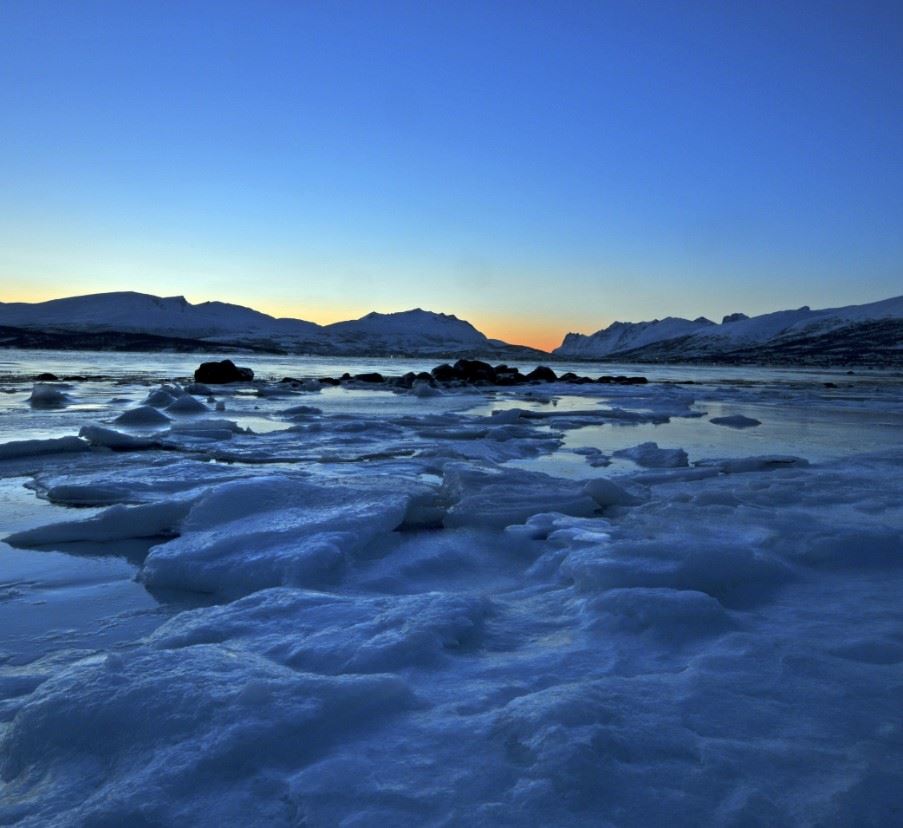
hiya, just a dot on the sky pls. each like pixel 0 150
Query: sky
pixel 533 167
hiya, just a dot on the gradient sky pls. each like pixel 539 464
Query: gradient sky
pixel 532 167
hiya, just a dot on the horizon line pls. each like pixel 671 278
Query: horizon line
pixel 546 336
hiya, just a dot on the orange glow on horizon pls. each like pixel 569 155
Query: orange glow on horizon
pixel 534 333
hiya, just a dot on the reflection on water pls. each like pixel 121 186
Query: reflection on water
pixel 50 599
pixel 816 434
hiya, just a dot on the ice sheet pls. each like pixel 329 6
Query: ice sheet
pixel 469 608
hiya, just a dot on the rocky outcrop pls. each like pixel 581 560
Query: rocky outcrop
pixel 220 373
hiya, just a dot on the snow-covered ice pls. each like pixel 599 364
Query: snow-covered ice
pixel 44 395
pixel 551 605
pixel 650 455
pixel 143 415
pixel 736 421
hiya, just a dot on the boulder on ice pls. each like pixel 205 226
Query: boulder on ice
pixel 220 373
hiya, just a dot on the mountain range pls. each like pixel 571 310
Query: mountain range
pixel 855 334
pixel 869 334
pixel 138 321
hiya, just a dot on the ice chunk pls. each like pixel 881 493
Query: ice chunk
pixel 272 531
pixel 670 614
pixel 28 448
pixel 87 495
pixel 653 457
pixel 47 396
pixel 144 415
pixel 302 411
pixel 160 398
pixel 336 634
pixel 607 493
pixel 287 390
pixel 499 498
pixel 736 421
pixel 424 389
pixel 728 567
pixel 764 462
pixel 541 525
pixel 210 428
pixel 508 416
pixel 151 520
pixel 593 456
pixel 186 404
pixel 110 438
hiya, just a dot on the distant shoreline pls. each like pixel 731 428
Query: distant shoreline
pixel 149 344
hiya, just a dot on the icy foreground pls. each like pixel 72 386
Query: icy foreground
pixel 540 605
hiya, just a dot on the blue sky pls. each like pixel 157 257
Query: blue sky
pixel 533 167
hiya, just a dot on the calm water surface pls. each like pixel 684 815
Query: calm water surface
pixel 16 363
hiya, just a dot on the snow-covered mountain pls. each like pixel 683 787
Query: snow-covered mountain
pixel 625 336
pixel 413 332
pixel 788 324
pixel 855 333
pixel 142 313
pixel 409 331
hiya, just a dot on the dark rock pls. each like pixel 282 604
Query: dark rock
pixel 570 376
pixel 290 379
pixel 220 373
pixel 445 373
pixel 47 377
pixel 372 377
pixel 345 377
pixel 473 370
pixel 329 381
pixel 505 375
pixel 426 376
pixel 622 380
pixel 830 385
pixel 542 374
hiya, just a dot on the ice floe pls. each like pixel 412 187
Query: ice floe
pixel 651 456
pixel 272 531
pixel 98 435
pixel 736 421
pixel 32 448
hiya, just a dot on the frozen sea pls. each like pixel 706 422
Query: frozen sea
pixel 674 603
